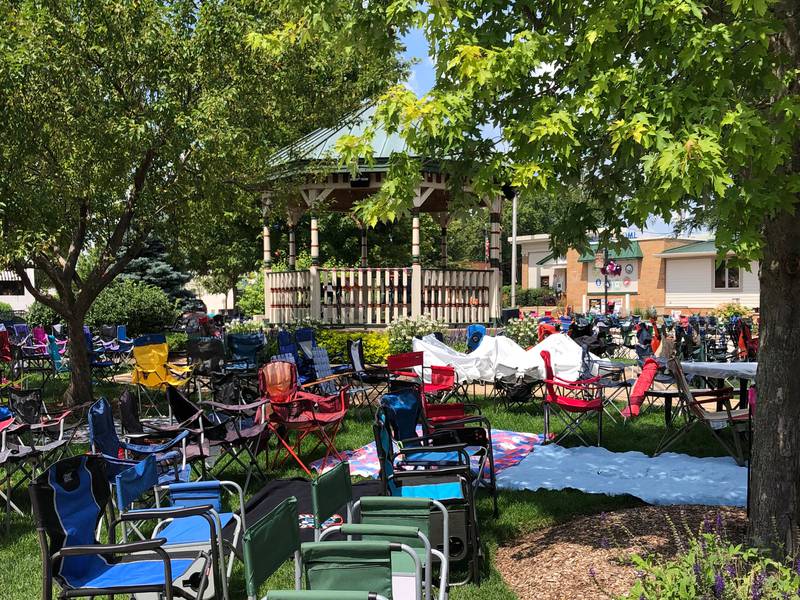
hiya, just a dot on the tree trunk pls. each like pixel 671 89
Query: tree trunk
pixel 80 387
pixel 775 477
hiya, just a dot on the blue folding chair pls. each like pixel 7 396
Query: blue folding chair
pixel 244 349
pixel 170 455
pixel 69 500
pixel 189 533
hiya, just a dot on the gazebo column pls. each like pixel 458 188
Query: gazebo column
pixel 316 296
pixel 416 266
pixel 292 248
pixel 495 295
pixel 267 259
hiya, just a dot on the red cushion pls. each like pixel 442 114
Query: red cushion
pixel 578 404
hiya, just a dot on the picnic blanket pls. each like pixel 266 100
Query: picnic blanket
pixel 666 479
pixel 509 447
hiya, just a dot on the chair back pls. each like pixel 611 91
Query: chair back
pixel 102 434
pixel 151 351
pixel 55 354
pixel 68 501
pixel 129 413
pixel 385 450
pixel 399 363
pixel 403 410
pixel 207 354
pixel 306 341
pixel 182 408
pixel 339 566
pixel 21 331
pixel 322 369
pixel 330 492
pixel 355 351
pixel 268 543
pixel 122 334
pixel 244 347
pixel 277 381
pixel 286 344
pixel 549 375
pixel 197 493
pixel 5 346
pixel 108 333
pixel 39 336
pixel 132 483
pixel 27 405
pixel 443 375
pixel 475 334
pixel 408 512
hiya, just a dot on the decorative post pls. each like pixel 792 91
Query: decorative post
pixel 316 300
pixel 416 267
pixel 364 257
pixel 292 247
pixel 496 205
pixel 267 256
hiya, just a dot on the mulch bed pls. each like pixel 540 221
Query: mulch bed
pixel 586 558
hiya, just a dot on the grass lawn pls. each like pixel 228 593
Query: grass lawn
pixel 520 512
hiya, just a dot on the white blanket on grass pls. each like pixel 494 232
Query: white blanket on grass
pixel 501 357
pixel 666 479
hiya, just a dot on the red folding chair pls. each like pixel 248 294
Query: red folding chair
pixel 300 414
pixel 573 402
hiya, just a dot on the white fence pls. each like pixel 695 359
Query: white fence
pixel 457 296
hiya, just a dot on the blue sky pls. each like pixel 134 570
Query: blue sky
pixel 421 79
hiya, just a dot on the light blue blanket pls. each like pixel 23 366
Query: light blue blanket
pixel 667 479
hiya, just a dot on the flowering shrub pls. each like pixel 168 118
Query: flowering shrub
pixel 376 344
pixel 732 309
pixel 712 567
pixel 405 329
pixel 523 331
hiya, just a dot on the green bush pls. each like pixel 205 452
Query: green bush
pixel 177 340
pixel 376 344
pixel 524 331
pixel 39 314
pixel 6 312
pixel 143 308
pixel 733 309
pixel 543 296
pixel 712 567
pixel 405 329
pixel 251 300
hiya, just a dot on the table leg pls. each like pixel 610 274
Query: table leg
pixel 743 393
pixel 668 411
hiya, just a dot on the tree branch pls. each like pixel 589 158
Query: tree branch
pixel 19 268
pixel 76 246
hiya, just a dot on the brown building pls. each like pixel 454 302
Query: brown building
pixel 667 273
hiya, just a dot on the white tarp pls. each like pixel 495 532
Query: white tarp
pixel 501 357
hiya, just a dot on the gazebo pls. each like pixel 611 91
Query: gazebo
pixel 369 295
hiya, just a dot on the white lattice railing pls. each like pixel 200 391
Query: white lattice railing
pixel 287 296
pixel 462 296
pixel 364 296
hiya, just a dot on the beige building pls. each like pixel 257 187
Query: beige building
pixel 668 273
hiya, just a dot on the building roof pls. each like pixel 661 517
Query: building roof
pixel 320 145
pixel 552 257
pixel 631 252
pixel 695 249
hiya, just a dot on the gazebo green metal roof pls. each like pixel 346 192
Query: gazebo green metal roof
pixel 320 145
pixel 633 251
pixel 705 246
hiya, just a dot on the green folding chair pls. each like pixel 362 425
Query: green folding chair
pixel 322 595
pixel 328 567
pixel 414 521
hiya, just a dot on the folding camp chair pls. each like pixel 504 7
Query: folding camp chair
pixel 16 458
pixel 334 570
pixel 326 382
pixel 225 430
pixel 206 356
pixel 189 533
pixel 300 413
pixel 448 484
pixel 170 455
pixel 69 500
pixel 573 402
pixel 288 346
pixel 372 381
pixel 244 349
pixel 152 371
pixel 616 387
pixel 102 366
pixel 59 362
pixel 386 518
pixel 48 433
pixel 693 407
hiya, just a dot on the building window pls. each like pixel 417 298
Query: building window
pixel 727 277
pixel 544 281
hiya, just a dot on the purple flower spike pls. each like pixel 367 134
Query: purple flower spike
pixel 592 573
pixel 706 525
pixel 730 570
pixel 758 587
pixel 719 585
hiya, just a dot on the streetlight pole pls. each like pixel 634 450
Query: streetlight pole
pixel 514 250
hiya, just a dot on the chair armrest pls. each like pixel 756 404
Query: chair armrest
pixel 167 512
pixel 140 546
pixel 156 448
pixel 236 408
pixel 376 529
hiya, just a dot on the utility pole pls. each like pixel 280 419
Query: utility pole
pixel 605 280
pixel 514 250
